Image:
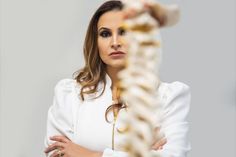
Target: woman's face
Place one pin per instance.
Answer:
(112, 49)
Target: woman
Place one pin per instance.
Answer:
(79, 119)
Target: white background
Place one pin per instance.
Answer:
(41, 43)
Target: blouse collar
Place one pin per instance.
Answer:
(101, 83)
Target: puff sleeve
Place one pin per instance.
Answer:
(175, 120)
(61, 114)
(176, 105)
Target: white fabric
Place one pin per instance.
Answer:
(84, 122)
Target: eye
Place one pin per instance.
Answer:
(122, 31)
(105, 34)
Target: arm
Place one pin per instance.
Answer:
(60, 119)
(61, 123)
(175, 123)
(176, 102)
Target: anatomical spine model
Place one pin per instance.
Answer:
(139, 80)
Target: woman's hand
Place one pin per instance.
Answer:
(159, 141)
(64, 147)
(166, 15)
(159, 145)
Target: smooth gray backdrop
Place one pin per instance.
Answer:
(41, 43)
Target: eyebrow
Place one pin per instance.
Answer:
(103, 28)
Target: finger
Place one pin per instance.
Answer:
(60, 138)
(54, 146)
(63, 153)
(55, 154)
(129, 13)
(147, 5)
(160, 144)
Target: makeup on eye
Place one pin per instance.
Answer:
(122, 31)
(105, 32)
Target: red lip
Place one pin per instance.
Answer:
(116, 53)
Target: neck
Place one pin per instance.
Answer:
(112, 72)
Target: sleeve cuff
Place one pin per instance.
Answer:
(112, 153)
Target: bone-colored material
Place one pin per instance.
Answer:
(138, 81)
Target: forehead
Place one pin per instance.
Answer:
(111, 19)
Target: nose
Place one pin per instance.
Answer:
(116, 43)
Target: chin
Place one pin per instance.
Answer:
(120, 65)
(117, 64)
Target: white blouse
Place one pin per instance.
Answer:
(83, 122)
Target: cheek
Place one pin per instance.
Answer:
(103, 47)
(125, 44)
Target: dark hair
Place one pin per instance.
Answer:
(94, 70)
